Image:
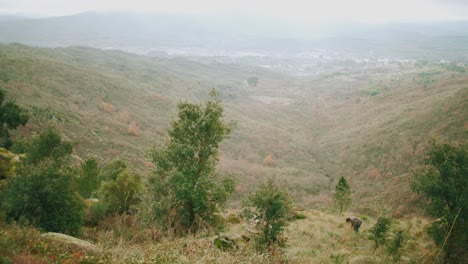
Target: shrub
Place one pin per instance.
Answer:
(395, 245)
(11, 117)
(122, 193)
(110, 171)
(43, 196)
(443, 181)
(87, 180)
(133, 129)
(42, 192)
(380, 230)
(272, 207)
(106, 107)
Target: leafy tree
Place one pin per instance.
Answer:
(42, 192)
(188, 193)
(88, 180)
(342, 196)
(122, 193)
(272, 208)
(48, 145)
(11, 117)
(112, 170)
(443, 180)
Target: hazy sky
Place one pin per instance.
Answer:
(372, 11)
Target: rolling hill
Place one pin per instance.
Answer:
(370, 123)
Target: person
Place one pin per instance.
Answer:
(355, 222)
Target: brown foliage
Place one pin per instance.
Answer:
(133, 129)
(106, 107)
(112, 152)
(124, 116)
(28, 259)
(270, 160)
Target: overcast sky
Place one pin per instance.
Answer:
(370, 11)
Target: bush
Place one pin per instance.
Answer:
(122, 193)
(43, 196)
(42, 192)
(11, 117)
(380, 230)
(88, 181)
(272, 208)
(443, 181)
(395, 245)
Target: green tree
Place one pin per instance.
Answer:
(188, 193)
(110, 171)
(11, 117)
(443, 180)
(272, 207)
(342, 196)
(87, 180)
(41, 192)
(122, 193)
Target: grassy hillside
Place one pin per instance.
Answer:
(369, 123)
(319, 238)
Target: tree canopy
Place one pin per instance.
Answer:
(187, 189)
(41, 193)
(443, 180)
(11, 117)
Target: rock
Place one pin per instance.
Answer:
(225, 243)
(72, 241)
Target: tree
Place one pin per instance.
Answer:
(122, 193)
(188, 193)
(87, 180)
(41, 192)
(342, 195)
(272, 208)
(11, 117)
(443, 181)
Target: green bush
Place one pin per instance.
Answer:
(122, 193)
(87, 180)
(43, 195)
(42, 192)
(110, 171)
(272, 207)
(11, 117)
(443, 181)
(394, 246)
(379, 231)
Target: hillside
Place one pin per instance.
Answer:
(320, 237)
(369, 123)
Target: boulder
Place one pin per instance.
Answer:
(72, 241)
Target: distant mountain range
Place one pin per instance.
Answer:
(221, 35)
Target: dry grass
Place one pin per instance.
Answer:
(319, 238)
